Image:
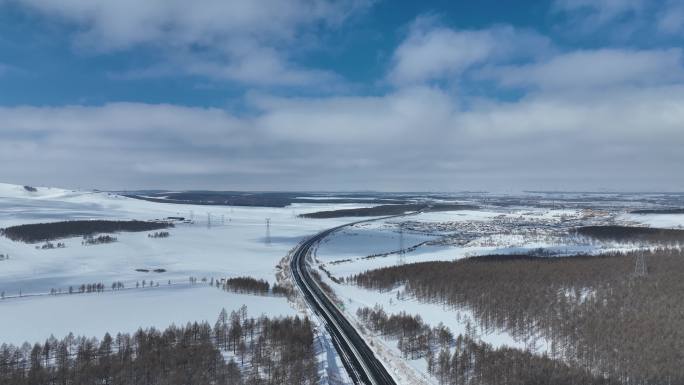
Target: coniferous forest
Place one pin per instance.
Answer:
(594, 312)
(465, 360)
(41, 232)
(237, 350)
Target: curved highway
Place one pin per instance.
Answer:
(357, 357)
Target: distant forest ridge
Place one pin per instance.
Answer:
(387, 210)
(41, 232)
(631, 234)
(259, 199)
(660, 211)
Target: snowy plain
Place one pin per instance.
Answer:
(231, 242)
(347, 252)
(667, 221)
(226, 241)
(94, 314)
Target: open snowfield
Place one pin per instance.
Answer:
(228, 241)
(235, 243)
(346, 252)
(667, 221)
(94, 314)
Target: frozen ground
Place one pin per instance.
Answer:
(670, 221)
(234, 243)
(446, 236)
(231, 241)
(94, 314)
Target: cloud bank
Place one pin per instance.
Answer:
(499, 107)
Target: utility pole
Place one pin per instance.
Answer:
(268, 231)
(208, 220)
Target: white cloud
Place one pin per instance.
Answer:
(620, 20)
(390, 118)
(636, 116)
(610, 116)
(613, 20)
(238, 40)
(595, 69)
(433, 52)
(413, 138)
(259, 66)
(111, 25)
(601, 11)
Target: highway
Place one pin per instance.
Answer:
(357, 357)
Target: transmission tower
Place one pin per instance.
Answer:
(268, 231)
(640, 269)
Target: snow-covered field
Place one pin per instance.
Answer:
(235, 243)
(667, 221)
(94, 314)
(503, 231)
(228, 241)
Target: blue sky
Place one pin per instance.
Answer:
(53, 70)
(350, 94)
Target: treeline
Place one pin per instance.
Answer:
(99, 240)
(592, 311)
(659, 211)
(386, 210)
(477, 363)
(159, 234)
(632, 234)
(97, 287)
(246, 285)
(259, 199)
(49, 246)
(41, 232)
(260, 351)
(250, 285)
(464, 360)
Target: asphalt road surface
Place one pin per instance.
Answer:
(361, 364)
